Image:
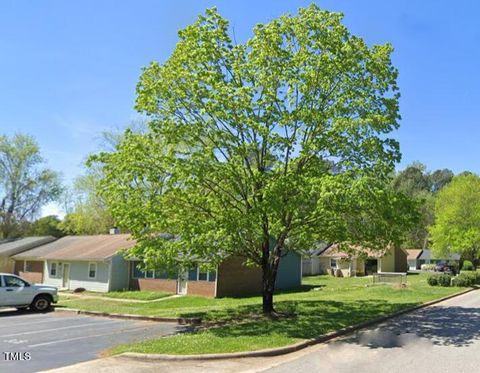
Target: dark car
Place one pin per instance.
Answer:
(446, 268)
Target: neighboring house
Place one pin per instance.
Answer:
(393, 259)
(231, 278)
(11, 247)
(90, 262)
(312, 263)
(417, 257)
(413, 259)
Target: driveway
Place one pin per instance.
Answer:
(441, 338)
(56, 339)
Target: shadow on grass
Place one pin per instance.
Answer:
(440, 326)
(311, 318)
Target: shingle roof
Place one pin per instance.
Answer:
(335, 251)
(98, 247)
(413, 254)
(19, 245)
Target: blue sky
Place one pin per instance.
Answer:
(68, 69)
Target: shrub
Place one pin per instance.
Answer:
(427, 267)
(466, 279)
(444, 280)
(432, 280)
(467, 265)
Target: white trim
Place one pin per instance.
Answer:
(88, 270)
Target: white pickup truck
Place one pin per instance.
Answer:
(18, 293)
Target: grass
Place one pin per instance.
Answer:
(323, 304)
(137, 295)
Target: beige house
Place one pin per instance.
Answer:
(16, 246)
(393, 259)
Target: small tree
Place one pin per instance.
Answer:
(457, 219)
(256, 149)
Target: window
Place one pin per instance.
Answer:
(150, 274)
(333, 263)
(212, 276)
(53, 269)
(92, 270)
(13, 282)
(202, 276)
(192, 274)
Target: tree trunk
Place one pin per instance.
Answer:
(270, 261)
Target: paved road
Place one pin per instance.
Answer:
(441, 338)
(58, 339)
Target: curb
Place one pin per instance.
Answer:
(178, 320)
(291, 348)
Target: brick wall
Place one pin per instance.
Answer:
(202, 288)
(168, 286)
(234, 279)
(34, 273)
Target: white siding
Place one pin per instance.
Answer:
(49, 280)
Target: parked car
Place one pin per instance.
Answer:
(446, 268)
(18, 293)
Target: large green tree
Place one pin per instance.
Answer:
(25, 185)
(421, 186)
(457, 219)
(259, 148)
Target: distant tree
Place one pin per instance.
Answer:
(87, 211)
(422, 186)
(238, 159)
(46, 226)
(457, 219)
(25, 186)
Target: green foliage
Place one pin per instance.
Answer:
(467, 265)
(283, 137)
(428, 267)
(25, 186)
(466, 279)
(89, 213)
(439, 280)
(421, 185)
(433, 280)
(46, 226)
(457, 219)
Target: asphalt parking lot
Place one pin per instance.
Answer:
(50, 340)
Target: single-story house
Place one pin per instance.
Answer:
(231, 278)
(312, 262)
(417, 257)
(90, 262)
(10, 247)
(413, 259)
(96, 263)
(392, 259)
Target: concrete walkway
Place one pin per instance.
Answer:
(441, 338)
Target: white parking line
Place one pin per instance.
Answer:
(36, 322)
(85, 336)
(63, 328)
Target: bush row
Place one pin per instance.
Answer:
(464, 279)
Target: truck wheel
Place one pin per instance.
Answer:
(41, 303)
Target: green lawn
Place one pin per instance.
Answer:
(323, 304)
(137, 295)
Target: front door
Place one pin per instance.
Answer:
(66, 276)
(182, 283)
